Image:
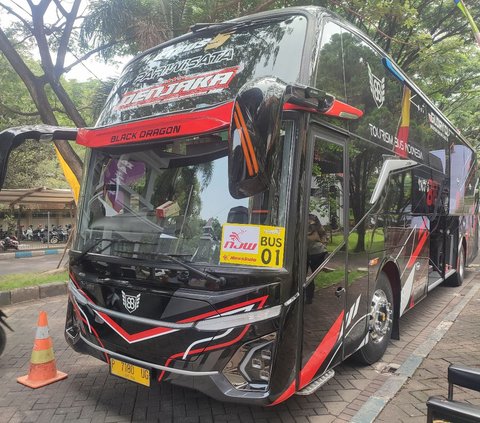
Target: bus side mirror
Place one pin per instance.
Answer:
(390, 165)
(12, 138)
(255, 127)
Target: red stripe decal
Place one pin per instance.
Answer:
(223, 345)
(149, 333)
(210, 348)
(316, 360)
(322, 351)
(170, 126)
(421, 242)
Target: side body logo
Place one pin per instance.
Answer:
(377, 87)
(130, 302)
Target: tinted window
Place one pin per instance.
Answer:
(330, 76)
(206, 69)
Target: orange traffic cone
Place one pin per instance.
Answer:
(43, 369)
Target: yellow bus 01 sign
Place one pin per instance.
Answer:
(253, 245)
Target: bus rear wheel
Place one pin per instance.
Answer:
(380, 322)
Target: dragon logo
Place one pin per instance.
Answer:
(130, 302)
(377, 87)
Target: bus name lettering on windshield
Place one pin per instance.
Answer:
(146, 134)
(253, 245)
(184, 65)
(178, 88)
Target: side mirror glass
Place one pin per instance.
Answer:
(256, 122)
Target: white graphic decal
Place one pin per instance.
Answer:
(377, 87)
(352, 312)
(407, 291)
(382, 135)
(439, 126)
(130, 302)
(221, 335)
(208, 59)
(177, 88)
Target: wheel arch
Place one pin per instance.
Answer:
(391, 270)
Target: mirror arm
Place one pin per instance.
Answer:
(313, 100)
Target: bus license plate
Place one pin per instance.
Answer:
(130, 372)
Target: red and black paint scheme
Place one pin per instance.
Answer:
(190, 256)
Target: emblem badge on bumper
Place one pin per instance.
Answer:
(130, 302)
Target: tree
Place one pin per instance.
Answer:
(432, 42)
(35, 164)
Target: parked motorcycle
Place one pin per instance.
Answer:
(9, 242)
(56, 235)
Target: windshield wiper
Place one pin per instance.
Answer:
(206, 275)
(232, 26)
(97, 241)
(172, 257)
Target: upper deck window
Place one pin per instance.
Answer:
(206, 69)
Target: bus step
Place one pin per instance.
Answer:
(317, 383)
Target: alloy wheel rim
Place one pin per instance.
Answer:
(380, 316)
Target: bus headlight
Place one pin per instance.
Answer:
(249, 368)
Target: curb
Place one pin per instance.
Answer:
(377, 402)
(31, 293)
(32, 253)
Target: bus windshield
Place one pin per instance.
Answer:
(172, 198)
(206, 68)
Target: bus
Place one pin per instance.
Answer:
(217, 155)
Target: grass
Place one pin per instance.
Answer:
(324, 279)
(21, 280)
(377, 244)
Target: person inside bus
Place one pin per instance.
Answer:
(316, 251)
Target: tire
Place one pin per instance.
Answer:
(3, 339)
(53, 240)
(380, 322)
(457, 278)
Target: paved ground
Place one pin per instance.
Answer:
(30, 264)
(460, 345)
(90, 394)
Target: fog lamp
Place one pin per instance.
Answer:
(250, 367)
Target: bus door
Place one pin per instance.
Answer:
(324, 291)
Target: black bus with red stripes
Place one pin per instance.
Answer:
(193, 261)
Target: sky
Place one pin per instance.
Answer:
(90, 68)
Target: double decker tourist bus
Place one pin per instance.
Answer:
(216, 157)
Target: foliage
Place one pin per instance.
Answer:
(35, 164)
(429, 39)
(10, 223)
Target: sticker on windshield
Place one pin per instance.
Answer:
(253, 245)
(179, 88)
(217, 41)
(185, 65)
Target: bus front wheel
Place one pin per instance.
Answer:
(380, 322)
(457, 278)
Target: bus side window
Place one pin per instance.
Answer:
(327, 191)
(330, 75)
